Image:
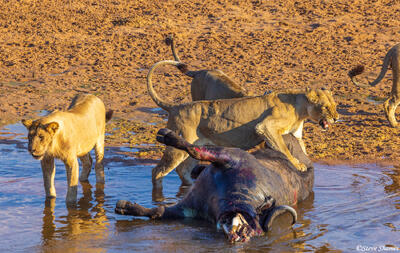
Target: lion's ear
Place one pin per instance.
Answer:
(27, 123)
(311, 95)
(52, 127)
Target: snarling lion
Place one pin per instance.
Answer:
(206, 84)
(240, 122)
(67, 135)
(390, 105)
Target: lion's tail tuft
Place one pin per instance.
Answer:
(109, 115)
(169, 40)
(357, 70)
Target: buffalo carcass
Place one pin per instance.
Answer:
(240, 192)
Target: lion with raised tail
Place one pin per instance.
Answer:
(207, 84)
(392, 58)
(240, 122)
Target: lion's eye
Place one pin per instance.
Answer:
(41, 137)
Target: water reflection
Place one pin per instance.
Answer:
(351, 205)
(49, 227)
(159, 198)
(87, 220)
(394, 186)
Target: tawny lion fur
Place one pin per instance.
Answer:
(240, 122)
(206, 84)
(392, 58)
(67, 135)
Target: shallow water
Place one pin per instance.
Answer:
(352, 207)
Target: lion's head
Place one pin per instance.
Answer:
(40, 136)
(322, 107)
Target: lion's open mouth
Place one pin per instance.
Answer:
(324, 124)
(37, 157)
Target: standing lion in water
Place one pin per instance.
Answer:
(390, 105)
(67, 135)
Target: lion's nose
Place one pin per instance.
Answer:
(33, 150)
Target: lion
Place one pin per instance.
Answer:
(390, 104)
(207, 84)
(240, 122)
(67, 135)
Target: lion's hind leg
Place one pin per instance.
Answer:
(86, 167)
(184, 170)
(98, 167)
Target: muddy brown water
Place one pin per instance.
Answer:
(352, 208)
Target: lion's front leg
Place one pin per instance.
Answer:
(298, 133)
(302, 145)
(269, 129)
(72, 169)
(390, 106)
(49, 171)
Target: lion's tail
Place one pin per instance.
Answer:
(360, 69)
(160, 102)
(170, 42)
(386, 62)
(182, 67)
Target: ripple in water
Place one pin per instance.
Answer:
(351, 206)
